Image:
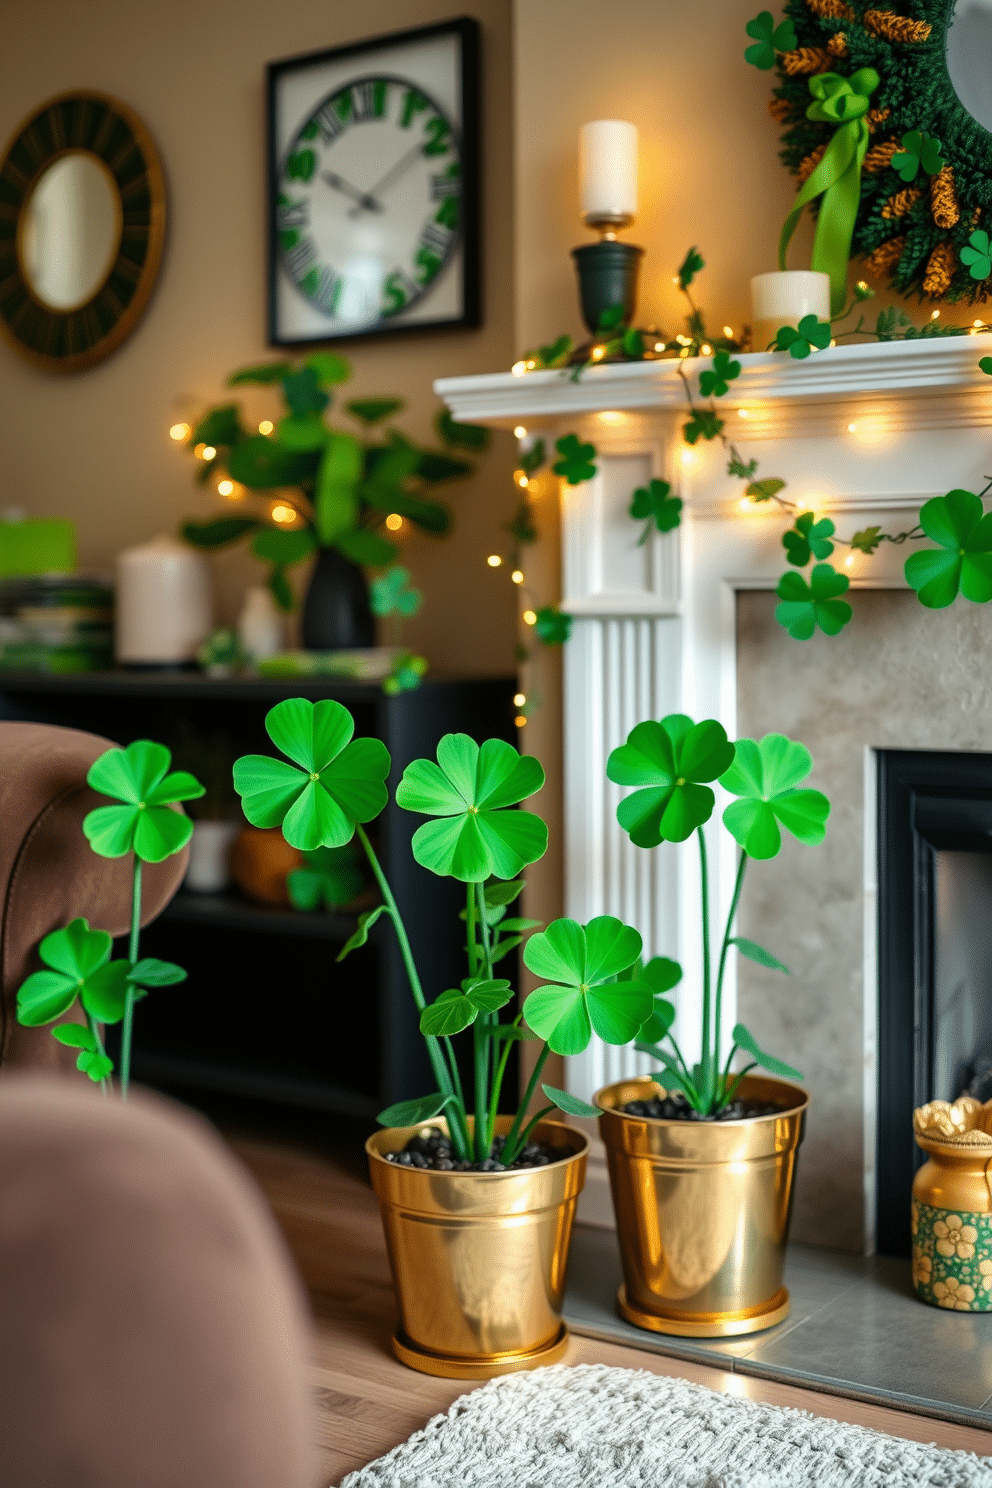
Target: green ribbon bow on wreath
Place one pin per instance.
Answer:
(842, 102)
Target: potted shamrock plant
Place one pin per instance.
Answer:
(477, 1206)
(144, 819)
(702, 1159)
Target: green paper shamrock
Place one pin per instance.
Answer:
(330, 878)
(985, 365)
(655, 503)
(690, 266)
(393, 594)
(962, 563)
(806, 606)
(471, 790)
(339, 783)
(576, 463)
(582, 964)
(611, 318)
(668, 760)
(978, 255)
(716, 381)
(91, 1061)
(704, 424)
(769, 39)
(632, 344)
(764, 490)
(743, 470)
(812, 334)
(808, 539)
(552, 626)
(79, 966)
(765, 775)
(867, 540)
(555, 354)
(661, 974)
(144, 821)
(917, 150)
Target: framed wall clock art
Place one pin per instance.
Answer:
(373, 196)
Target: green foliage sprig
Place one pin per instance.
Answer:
(324, 792)
(340, 483)
(671, 765)
(143, 820)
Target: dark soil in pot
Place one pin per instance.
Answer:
(677, 1108)
(435, 1152)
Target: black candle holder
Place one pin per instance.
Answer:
(608, 273)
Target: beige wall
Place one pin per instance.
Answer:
(95, 446)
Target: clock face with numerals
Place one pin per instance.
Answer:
(369, 196)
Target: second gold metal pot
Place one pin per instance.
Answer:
(479, 1259)
(703, 1210)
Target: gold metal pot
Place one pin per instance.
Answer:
(952, 1205)
(479, 1259)
(703, 1210)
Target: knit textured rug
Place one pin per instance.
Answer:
(595, 1427)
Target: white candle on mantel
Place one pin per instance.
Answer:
(608, 169)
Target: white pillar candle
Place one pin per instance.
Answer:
(608, 169)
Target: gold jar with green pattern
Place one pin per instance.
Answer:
(952, 1205)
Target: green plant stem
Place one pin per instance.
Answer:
(513, 1142)
(497, 1087)
(471, 941)
(486, 1020)
(525, 1134)
(459, 1128)
(706, 1056)
(724, 949)
(456, 1078)
(94, 1029)
(127, 1026)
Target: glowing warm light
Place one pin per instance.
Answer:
(597, 352)
(683, 340)
(530, 618)
(520, 476)
(675, 278)
(181, 431)
(974, 322)
(530, 364)
(283, 514)
(728, 331)
(706, 350)
(659, 346)
(518, 369)
(209, 453)
(744, 413)
(852, 428)
(225, 488)
(520, 432)
(833, 343)
(849, 560)
(684, 352)
(935, 315)
(745, 503)
(519, 721)
(688, 457)
(519, 699)
(862, 286)
(612, 417)
(198, 451)
(266, 426)
(517, 576)
(494, 560)
(394, 521)
(869, 430)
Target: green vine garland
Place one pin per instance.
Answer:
(911, 230)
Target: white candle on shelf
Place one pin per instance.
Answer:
(608, 169)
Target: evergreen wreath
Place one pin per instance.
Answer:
(917, 216)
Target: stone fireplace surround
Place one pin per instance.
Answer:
(685, 623)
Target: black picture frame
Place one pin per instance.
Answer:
(468, 268)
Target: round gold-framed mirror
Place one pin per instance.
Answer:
(82, 227)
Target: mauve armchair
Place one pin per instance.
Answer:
(49, 874)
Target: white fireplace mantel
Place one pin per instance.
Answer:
(866, 433)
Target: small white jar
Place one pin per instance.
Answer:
(783, 298)
(261, 627)
(164, 605)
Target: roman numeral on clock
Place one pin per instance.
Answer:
(328, 291)
(294, 214)
(300, 257)
(436, 238)
(329, 123)
(443, 187)
(368, 99)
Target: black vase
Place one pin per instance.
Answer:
(607, 277)
(336, 611)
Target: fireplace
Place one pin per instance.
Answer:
(934, 954)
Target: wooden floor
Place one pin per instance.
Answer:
(367, 1401)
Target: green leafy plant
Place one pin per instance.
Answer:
(552, 625)
(330, 878)
(715, 382)
(812, 334)
(961, 563)
(808, 539)
(575, 463)
(339, 484)
(475, 834)
(768, 39)
(142, 820)
(813, 606)
(655, 505)
(671, 764)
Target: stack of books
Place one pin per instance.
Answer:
(56, 623)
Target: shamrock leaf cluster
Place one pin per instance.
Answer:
(669, 762)
(962, 561)
(812, 334)
(919, 151)
(143, 821)
(582, 965)
(764, 490)
(977, 255)
(765, 776)
(704, 424)
(816, 605)
(768, 39)
(552, 625)
(715, 381)
(808, 539)
(690, 267)
(657, 507)
(393, 594)
(470, 791)
(575, 463)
